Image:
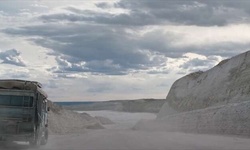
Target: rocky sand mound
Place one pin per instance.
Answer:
(103, 120)
(216, 101)
(228, 82)
(226, 119)
(62, 121)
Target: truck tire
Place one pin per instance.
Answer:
(35, 141)
(44, 136)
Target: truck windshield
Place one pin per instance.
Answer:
(13, 100)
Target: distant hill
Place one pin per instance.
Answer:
(68, 103)
(140, 105)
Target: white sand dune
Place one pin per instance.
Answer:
(62, 121)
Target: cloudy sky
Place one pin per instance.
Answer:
(117, 49)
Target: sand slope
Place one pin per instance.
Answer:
(216, 101)
(228, 82)
(62, 121)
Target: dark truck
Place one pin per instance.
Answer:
(23, 112)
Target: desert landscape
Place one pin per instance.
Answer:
(203, 111)
(124, 75)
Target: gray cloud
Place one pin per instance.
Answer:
(139, 19)
(19, 76)
(51, 84)
(159, 72)
(192, 12)
(100, 89)
(98, 42)
(15, 74)
(104, 5)
(103, 49)
(161, 42)
(66, 64)
(12, 57)
(147, 12)
(197, 64)
(110, 49)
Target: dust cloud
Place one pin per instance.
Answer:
(120, 136)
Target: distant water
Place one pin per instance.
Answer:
(123, 120)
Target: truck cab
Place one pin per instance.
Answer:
(23, 112)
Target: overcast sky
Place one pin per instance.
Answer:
(107, 50)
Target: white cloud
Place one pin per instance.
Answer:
(17, 73)
(194, 62)
(12, 57)
(39, 6)
(207, 36)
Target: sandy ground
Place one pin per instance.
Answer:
(115, 138)
(108, 139)
(139, 140)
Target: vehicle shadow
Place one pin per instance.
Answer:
(13, 146)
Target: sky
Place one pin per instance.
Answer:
(95, 50)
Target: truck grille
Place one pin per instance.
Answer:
(13, 127)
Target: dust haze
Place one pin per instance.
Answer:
(120, 136)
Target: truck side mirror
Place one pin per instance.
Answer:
(48, 109)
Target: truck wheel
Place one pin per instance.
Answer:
(35, 141)
(44, 137)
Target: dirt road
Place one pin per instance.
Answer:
(141, 140)
(118, 137)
